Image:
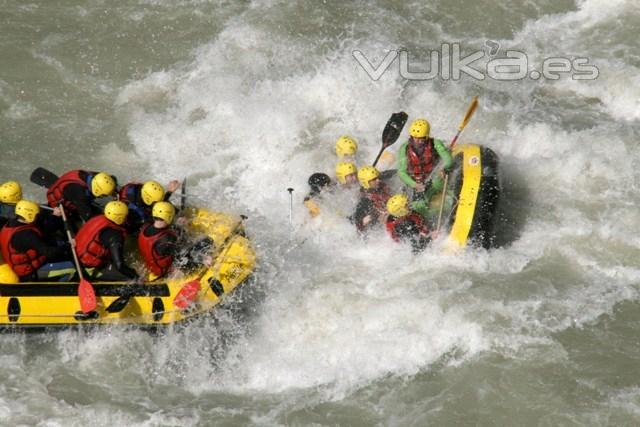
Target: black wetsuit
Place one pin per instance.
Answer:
(116, 269)
(26, 240)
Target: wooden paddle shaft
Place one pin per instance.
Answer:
(70, 238)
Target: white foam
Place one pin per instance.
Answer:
(257, 112)
(592, 32)
(341, 334)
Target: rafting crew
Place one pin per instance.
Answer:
(418, 158)
(78, 189)
(140, 198)
(23, 244)
(100, 243)
(30, 241)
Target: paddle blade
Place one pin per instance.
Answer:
(87, 296)
(43, 177)
(183, 194)
(118, 304)
(187, 294)
(470, 111)
(393, 128)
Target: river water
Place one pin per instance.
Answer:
(246, 99)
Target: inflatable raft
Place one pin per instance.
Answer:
(153, 304)
(474, 193)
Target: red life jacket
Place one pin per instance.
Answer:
(91, 252)
(378, 208)
(128, 192)
(378, 196)
(54, 194)
(23, 264)
(420, 166)
(159, 265)
(394, 222)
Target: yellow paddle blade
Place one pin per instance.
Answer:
(470, 111)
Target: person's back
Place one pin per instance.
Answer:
(77, 189)
(140, 197)
(157, 240)
(374, 193)
(406, 225)
(22, 243)
(100, 243)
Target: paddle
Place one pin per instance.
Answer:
(188, 293)
(86, 293)
(119, 303)
(290, 190)
(43, 177)
(391, 132)
(463, 124)
(183, 194)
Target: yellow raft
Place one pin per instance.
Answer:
(474, 187)
(151, 304)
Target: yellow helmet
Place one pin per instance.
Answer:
(116, 211)
(346, 146)
(398, 205)
(366, 174)
(163, 210)
(343, 169)
(27, 210)
(10, 192)
(152, 192)
(420, 128)
(7, 275)
(102, 184)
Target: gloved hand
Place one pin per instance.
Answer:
(129, 272)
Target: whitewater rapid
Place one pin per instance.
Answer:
(362, 331)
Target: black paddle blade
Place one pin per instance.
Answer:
(43, 177)
(118, 304)
(393, 128)
(183, 194)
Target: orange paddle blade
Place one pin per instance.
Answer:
(87, 296)
(470, 111)
(187, 294)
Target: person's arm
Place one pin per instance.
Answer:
(4, 214)
(171, 188)
(136, 218)
(112, 240)
(421, 207)
(436, 187)
(364, 209)
(402, 166)
(166, 246)
(312, 206)
(28, 239)
(77, 195)
(435, 182)
(445, 155)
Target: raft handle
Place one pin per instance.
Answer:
(13, 309)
